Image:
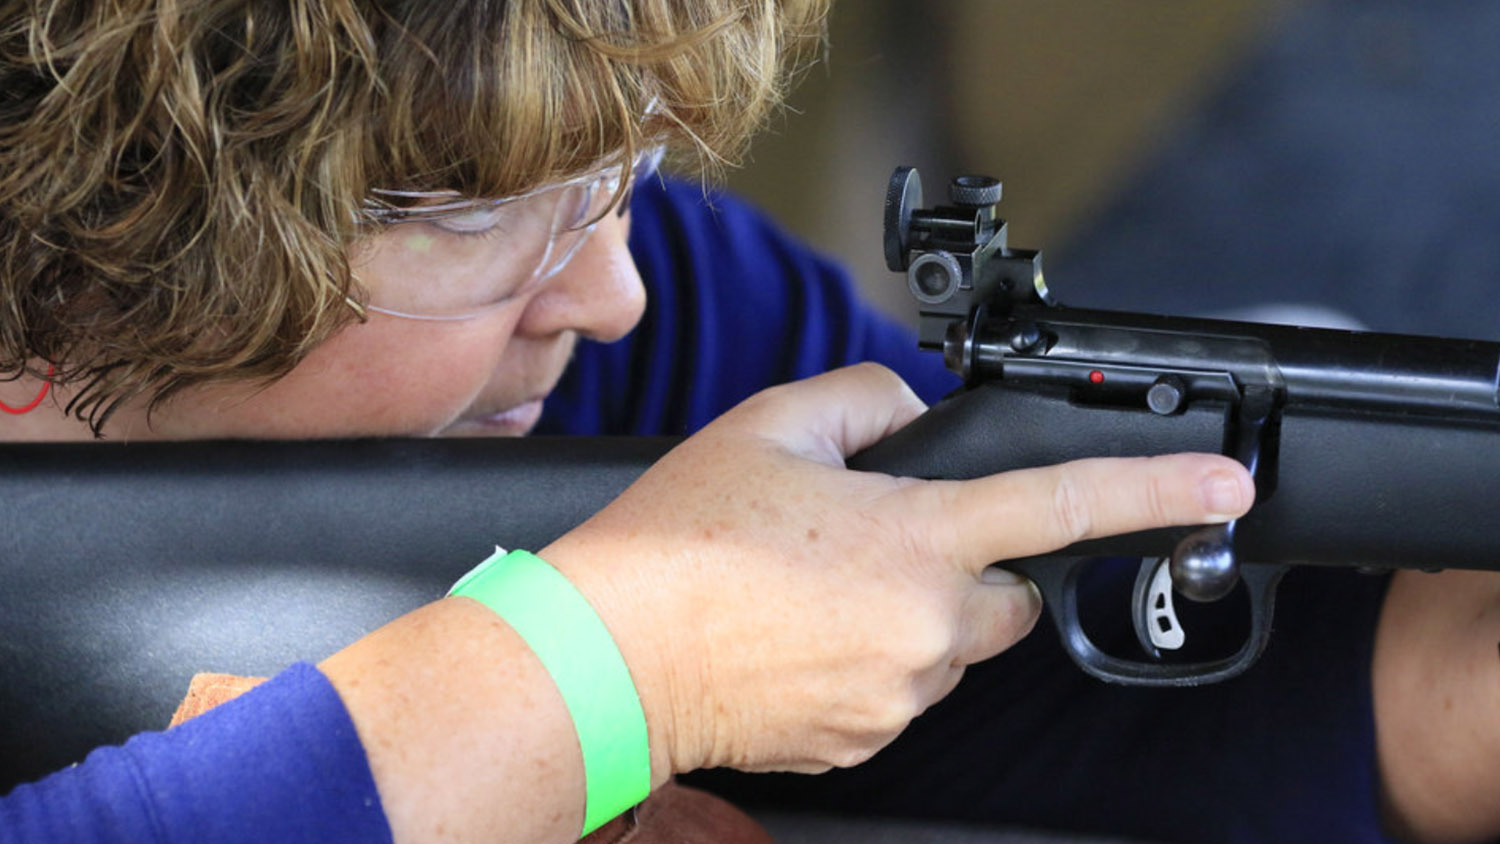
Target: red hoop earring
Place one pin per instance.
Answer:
(46, 385)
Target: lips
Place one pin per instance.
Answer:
(516, 421)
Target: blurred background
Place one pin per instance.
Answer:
(1171, 156)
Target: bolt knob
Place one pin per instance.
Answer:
(1203, 566)
(974, 191)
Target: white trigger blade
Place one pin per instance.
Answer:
(1156, 624)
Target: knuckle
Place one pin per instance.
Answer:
(927, 645)
(1071, 508)
(848, 757)
(889, 720)
(952, 533)
(1157, 500)
(876, 371)
(912, 543)
(882, 379)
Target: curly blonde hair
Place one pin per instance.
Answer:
(180, 180)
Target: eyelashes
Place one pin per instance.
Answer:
(481, 222)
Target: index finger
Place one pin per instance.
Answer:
(1033, 511)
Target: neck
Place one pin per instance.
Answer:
(46, 420)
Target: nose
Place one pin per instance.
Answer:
(598, 293)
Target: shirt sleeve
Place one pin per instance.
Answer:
(280, 763)
(734, 305)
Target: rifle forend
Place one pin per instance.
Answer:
(1368, 450)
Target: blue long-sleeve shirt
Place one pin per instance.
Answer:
(280, 763)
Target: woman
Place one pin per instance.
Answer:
(294, 219)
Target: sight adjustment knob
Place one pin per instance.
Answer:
(974, 191)
(934, 277)
(902, 196)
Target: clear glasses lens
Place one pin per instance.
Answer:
(454, 258)
(578, 216)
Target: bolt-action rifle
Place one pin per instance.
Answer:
(1368, 450)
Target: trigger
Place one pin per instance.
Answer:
(1156, 624)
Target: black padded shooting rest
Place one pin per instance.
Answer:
(125, 569)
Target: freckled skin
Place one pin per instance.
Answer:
(1437, 692)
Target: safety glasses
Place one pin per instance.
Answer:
(450, 257)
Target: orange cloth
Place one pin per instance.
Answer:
(205, 691)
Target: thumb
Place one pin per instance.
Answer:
(998, 612)
(831, 416)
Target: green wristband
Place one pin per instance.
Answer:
(565, 633)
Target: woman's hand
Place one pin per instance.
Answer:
(779, 611)
(776, 610)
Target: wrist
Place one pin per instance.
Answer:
(569, 638)
(651, 633)
(438, 698)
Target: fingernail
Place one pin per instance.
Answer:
(1223, 496)
(996, 576)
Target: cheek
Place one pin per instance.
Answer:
(387, 376)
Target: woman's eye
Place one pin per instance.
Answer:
(478, 221)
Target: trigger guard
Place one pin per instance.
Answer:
(1057, 578)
